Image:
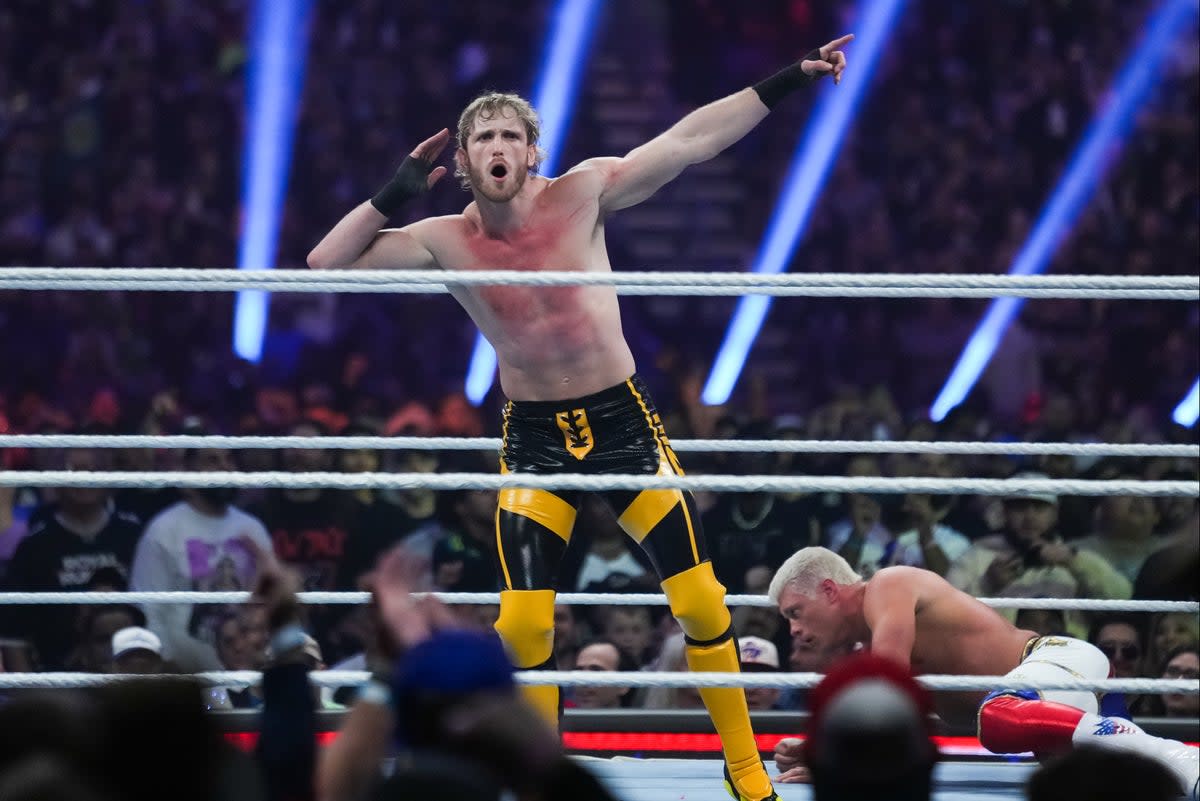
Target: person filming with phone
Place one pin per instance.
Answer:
(1029, 559)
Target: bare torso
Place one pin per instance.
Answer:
(956, 634)
(551, 343)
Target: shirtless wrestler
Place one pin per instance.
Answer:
(916, 618)
(576, 403)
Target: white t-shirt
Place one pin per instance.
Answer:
(876, 543)
(597, 569)
(183, 549)
(907, 550)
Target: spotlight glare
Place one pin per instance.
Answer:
(1140, 73)
(810, 165)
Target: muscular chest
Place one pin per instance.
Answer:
(554, 243)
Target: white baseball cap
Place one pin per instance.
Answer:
(135, 638)
(757, 651)
(1041, 497)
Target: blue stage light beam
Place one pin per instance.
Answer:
(554, 98)
(274, 80)
(1189, 408)
(810, 165)
(1139, 74)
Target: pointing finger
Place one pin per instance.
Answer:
(837, 43)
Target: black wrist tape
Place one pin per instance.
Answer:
(786, 81)
(408, 182)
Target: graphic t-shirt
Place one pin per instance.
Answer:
(183, 549)
(54, 558)
(311, 535)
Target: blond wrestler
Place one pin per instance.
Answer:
(917, 619)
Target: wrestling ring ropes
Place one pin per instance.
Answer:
(967, 773)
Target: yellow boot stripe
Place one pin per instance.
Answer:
(667, 463)
(541, 507)
(647, 510)
(543, 698)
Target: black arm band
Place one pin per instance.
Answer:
(786, 81)
(408, 182)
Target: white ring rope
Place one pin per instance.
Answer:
(570, 598)
(630, 283)
(592, 678)
(1094, 449)
(1008, 487)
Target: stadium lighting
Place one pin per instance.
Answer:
(274, 79)
(1139, 74)
(810, 165)
(1189, 408)
(554, 99)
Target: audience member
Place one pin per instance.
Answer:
(1030, 560)
(566, 636)
(203, 542)
(136, 650)
(929, 543)
(69, 542)
(465, 559)
(1168, 631)
(1125, 532)
(631, 628)
(397, 516)
(605, 656)
(1046, 622)
(97, 626)
(861, 537)
(1182, 662)
(757, 655)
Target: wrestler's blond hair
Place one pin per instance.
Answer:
(807, 568)
(488, 105)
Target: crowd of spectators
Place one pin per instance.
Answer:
(1041, 546)
(120, 143)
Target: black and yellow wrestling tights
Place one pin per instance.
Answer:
(532, 530)
(614, 431)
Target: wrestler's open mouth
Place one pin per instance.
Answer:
(499, 171)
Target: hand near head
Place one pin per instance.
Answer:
(428, 151)
(832, 60)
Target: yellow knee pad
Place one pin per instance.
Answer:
(697, 601)
(526, 625)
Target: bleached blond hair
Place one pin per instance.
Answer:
(487, 106)
(807, 568)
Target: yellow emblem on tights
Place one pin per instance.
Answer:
(577, 434)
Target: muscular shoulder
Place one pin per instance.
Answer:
(431, 230)
(592, 177)
(903, 581)
(897, 575)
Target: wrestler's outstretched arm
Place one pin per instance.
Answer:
(701, 135)
(358, 242)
